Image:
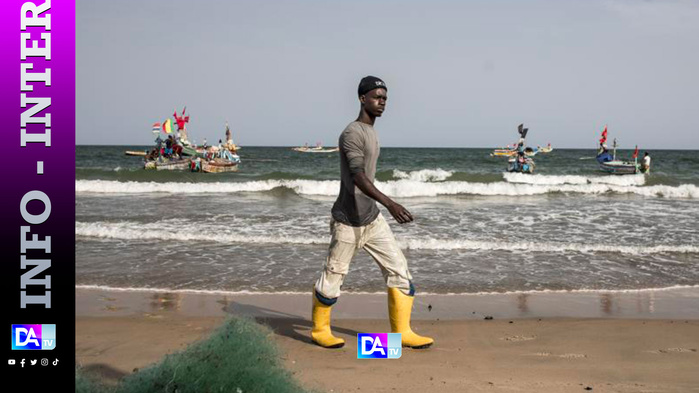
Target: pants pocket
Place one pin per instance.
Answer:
(340, 255)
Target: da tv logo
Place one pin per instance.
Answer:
(33, 337)
(378, 345)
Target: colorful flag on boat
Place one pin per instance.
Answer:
(167, 126)
(156, 127)
(603, 140)
(635, 153)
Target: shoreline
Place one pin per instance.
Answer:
(676, 303)
(549, 343)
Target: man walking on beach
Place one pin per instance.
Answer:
(357, 223)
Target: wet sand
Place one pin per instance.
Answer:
(620, 342)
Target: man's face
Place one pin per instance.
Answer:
(375, 102)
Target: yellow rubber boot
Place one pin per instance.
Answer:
(321, 334)
(400, 306)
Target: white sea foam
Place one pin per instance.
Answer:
(138, 231)
(437, 244)
(156, 231)
(398, 188)
(408, 188)
(424, 175)
(303, 187)
(628, 180)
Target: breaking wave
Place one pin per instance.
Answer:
(424, 175)
(628, 180)
(398, 188)
(137, 231)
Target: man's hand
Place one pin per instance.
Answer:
(401, 214)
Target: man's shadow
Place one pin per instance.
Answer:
(283, 324)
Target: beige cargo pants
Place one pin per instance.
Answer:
(378, 240)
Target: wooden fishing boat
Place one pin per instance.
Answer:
(317, 149)
(527, 167)
(189, 151)
(218, 165)
(609, 163)
(503, 153)
(529, 152)
(167, 165)
(619, 167)
(135, 153)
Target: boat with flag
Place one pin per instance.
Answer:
(172, 150)
(521, 161)
(511, 151)
(608, 161)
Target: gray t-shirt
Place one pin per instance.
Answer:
(359, 151)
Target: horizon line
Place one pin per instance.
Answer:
(423, 147)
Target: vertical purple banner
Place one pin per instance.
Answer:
(37, 229)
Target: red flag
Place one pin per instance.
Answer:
(604, 136)
(181, 120)
(635, 153)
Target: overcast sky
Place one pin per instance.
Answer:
(459, 73)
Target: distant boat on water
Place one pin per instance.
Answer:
(317, 149)
(545, 149)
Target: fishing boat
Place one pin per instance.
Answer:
(317, 149)
(503, 153)
(529, 152)
(521, 160)
(214, 165)
(526, 167)
(218, 165)
(545, 149)
(215, 161)
(135, 153)
(188, 150)
(619, 167)
(608, 162)
(167, 164)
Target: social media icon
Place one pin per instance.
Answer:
(11, 362)
(33, 362)
(55, 362)
(379, 346)
(44, 362)
(22, 363)
(34, 337)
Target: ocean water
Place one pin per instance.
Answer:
(569, 227)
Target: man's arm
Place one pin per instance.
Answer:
(401, 214)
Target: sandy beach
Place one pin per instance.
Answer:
(646, 341)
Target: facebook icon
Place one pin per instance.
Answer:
(378, 345)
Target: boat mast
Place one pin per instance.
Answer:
(614, 156)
